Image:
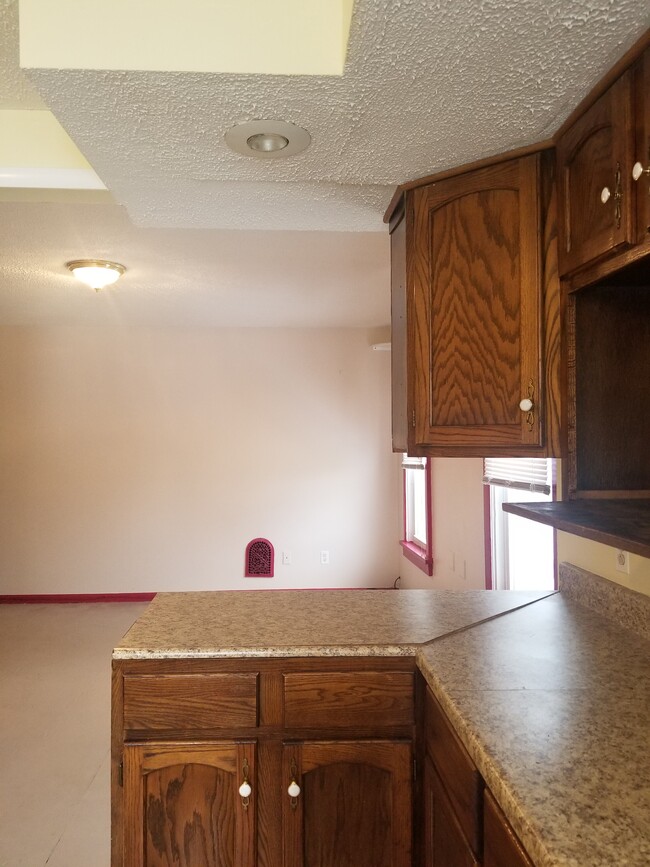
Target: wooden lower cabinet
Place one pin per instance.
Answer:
(184, 805)
(324, 750)
(325, 746)
(502, 847)
(444, 842)
(463, 824)
(354, 806)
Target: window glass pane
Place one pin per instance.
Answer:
(522, 550)
(419, 507)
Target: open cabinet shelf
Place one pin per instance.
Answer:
(620, 523)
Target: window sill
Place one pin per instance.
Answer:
(418, 556)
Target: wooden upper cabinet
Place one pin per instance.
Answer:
(399, 373)
(595, 158)
(475, 308)
(641, 166)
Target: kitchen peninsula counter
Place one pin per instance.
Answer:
(550, 698)
(254, 623)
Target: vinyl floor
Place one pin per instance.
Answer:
(55, 731)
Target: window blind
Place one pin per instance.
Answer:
(409, 463)
(527, 474)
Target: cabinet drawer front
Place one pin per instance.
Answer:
(458, 773)
(189, 702)
(348, 699)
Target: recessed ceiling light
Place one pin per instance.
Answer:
(96, 273)
(267, 139)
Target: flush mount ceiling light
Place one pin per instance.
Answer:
(96, 273)
(267, 139)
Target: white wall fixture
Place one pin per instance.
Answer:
(96, 273)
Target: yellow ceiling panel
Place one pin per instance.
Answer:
(292, 37)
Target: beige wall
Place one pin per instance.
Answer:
(458, 547)
(601, 559)
(145, 460)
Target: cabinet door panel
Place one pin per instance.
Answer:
(592, 155)
(462, 782)
(354, 808)
(502, 848)
(185, 805)
(476, 275)
(445, 844)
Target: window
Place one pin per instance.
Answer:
(520, 553)
(417, 539)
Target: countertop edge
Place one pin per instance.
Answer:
(392, 650)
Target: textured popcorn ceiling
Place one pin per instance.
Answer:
(427, 85)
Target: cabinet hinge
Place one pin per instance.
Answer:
(120, 774)
(415, 769)
(413, 418)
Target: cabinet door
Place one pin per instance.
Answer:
(445, 844)
(502, 848)
(594, 177)
(183, 808)
(641, 168)
(354, 804)
(474, 266)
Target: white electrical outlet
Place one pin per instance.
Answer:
(622, 561)
(324, 558)
(286, 558)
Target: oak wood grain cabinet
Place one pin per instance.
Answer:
(453, 794)
(475, 313)
(263, 763)
(502, 847)
(351, 806)
(183, 806)
(444, 842)
(464, 826)
(603, 179)
(594, 173)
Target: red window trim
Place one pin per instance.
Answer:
(414, 553)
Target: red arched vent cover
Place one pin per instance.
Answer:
(259, 559)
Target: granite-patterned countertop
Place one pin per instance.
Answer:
(551, 700)
(553, 705)
(307, 622)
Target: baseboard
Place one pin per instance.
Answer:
(75, 597)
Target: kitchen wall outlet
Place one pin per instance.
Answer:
(622, 561)
(324, 558)
(286, 558)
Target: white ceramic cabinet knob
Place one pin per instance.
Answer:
(245, 790)
(605, 195)
(526, 404)
(294, 789)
